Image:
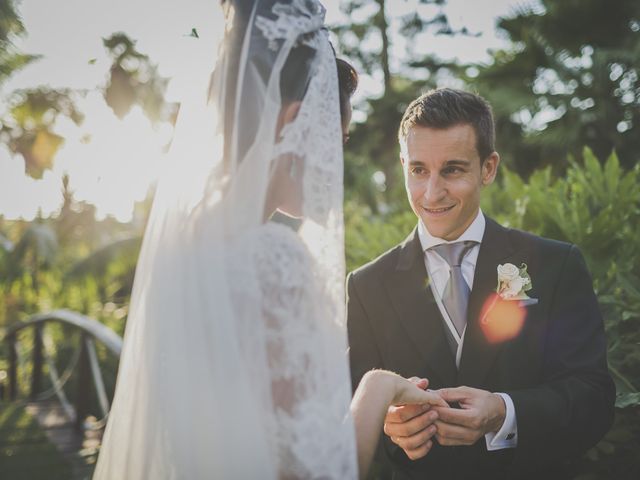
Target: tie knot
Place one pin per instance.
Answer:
(453, 253)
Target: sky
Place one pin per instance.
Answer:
(122, 159)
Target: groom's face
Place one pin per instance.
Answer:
(444, 177)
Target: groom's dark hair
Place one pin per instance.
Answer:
(447, 107)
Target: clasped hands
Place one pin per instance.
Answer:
(413, 427)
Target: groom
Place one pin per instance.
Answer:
(504, 324)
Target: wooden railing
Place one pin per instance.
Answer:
(85, 360)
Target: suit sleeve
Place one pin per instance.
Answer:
(573, 406)
(363, 351)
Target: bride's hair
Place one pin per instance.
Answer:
(347, 84)
(294, 78)
(297, 67)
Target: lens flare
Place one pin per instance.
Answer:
(501, 320)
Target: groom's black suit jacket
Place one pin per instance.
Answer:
(555, 370)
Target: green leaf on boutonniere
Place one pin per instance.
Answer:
(525, 275)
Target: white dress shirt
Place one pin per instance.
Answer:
(439, 272)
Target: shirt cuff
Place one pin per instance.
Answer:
(507, 436)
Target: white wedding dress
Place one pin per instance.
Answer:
(312, 431)
(234, 363)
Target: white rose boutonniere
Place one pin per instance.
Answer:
(503, 314)
(513, 282)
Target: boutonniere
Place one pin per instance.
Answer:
(503, 314)
(513, 282)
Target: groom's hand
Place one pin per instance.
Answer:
(480, 412)
(411, 427)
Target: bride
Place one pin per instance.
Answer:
(235, 357)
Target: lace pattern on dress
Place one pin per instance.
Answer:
(309, 383)
(294, 19)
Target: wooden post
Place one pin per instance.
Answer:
(36, 377)
(82, 398)
(13, 367)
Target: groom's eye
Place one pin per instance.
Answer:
(418, 171)
(452, 170)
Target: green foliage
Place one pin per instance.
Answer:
(25, 451)
(36, 249)
(368, 236)
(377, 24)
(27, 128)
(616, 456)
(70, 260)
(134, 80)
(569, 78)
(11, 27)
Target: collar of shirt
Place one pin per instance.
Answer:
(437, 267)
(474, 232)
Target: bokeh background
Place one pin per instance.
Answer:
(89, 93)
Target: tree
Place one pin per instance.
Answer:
(134, 80)
(11, 27)
(27, 126)
(28, 129)
(569, 79)
(379, 27)
(26, 267)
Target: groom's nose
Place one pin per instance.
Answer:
(434, 189)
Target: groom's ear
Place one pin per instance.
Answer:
(490, 168)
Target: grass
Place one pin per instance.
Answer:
(25, 451)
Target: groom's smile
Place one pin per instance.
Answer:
(444, 176)
(436, 212)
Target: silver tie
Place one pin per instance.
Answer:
(456, 292)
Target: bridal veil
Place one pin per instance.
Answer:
(197, 394)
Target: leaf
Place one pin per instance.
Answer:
(36, 147)
(620, 435)
(592, 454)
(134, 79)
(625, 400)
(97, 263)
(627, 284)
(606, 447)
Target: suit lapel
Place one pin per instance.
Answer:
(478, 354)
(418, 312)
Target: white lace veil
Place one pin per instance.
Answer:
(193, 397)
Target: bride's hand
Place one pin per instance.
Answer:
(377, 390)
(413, 392)
(400, 391)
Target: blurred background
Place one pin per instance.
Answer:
(89, 93)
